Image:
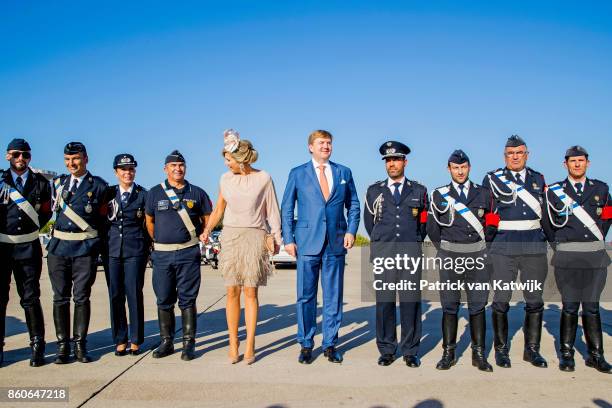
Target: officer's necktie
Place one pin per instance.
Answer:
(19, 184)
(519, 180)
(124, 197)
(396, 193)
(462, 197)
(578, 188)
(323, 182)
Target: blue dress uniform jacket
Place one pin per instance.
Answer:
(594, 199)
(13, 221)
(127, 235)
(510, 241)
(90, 194)
(393, 222)
(480, 202)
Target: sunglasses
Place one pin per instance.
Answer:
(25, 155)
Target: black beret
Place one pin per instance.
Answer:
(18, 144)
(576, 151)
(75, 148)
(515, 141)
(175, 157)
(394, 149)
(458, 157)
(124, 159)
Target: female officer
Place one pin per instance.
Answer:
(128, 250)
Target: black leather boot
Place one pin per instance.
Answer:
(532, 327)
(82, 314)
(61, 320)
(591, 324)
(189, 317)
(166, 332)
(567, 337)
(36, 329)
(500, 339)
(449, 341)
(478, 330)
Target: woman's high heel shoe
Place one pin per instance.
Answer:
(233, 359)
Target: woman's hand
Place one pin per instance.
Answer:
(276, 249)
(204, 236)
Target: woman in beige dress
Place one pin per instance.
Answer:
(248, 206)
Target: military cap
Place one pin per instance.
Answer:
(75, 148)
(458, 157)
(576, 151)
(394, 149)
(175, 157)
(123, 160)
(515, 141)
(18, 144)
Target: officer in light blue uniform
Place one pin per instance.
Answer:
(176, 212)
(80, 207)
(457, 226)
(128, 250)
(519, 244)
(395, 218)
(580, 211)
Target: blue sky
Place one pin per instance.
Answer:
(150, 77)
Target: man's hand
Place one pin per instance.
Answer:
(291, 250)
(204, 236)
(349, 240)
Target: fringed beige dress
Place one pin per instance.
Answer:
(251, 212)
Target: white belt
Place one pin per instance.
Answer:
(591, 246)
(175, 247)
(462, 248)
(522, 225)
(19, 239)
(75, 236)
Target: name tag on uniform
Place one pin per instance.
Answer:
(163, 205)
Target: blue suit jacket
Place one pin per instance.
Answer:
(316, 218)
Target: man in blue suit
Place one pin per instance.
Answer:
(319, 238)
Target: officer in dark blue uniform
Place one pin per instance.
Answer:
(519, 244)
(457, 226)
(580, 211)
(128, 250)
(25, 207)
(79, 203)
(176, 212)
(395, 215)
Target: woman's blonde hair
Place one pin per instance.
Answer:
(244, 154)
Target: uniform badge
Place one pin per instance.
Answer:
(37, 207)
(480, 212)
(415, 212)
(65, 195)
(535, 186)
(389, 144)
(599, 211)
(190, 204)
(88, 208)
(139, 213)
(176, 205)
(89, 194)
(596, 198)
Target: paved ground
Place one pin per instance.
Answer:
(276, 379)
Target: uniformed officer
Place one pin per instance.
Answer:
(176, 213)
(128, 250)
(580, 211)
(25, 207)
(460, 219)
(395, 217)
(519, 244)
(74, 248)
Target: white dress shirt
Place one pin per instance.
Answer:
(129, 190)
(466, 187)
(80, 181)
(390, 183)
(573, 183)
(327, 171)
(523, 174)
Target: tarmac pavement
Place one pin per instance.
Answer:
(276, 379)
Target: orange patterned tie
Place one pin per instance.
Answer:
(323, 182)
